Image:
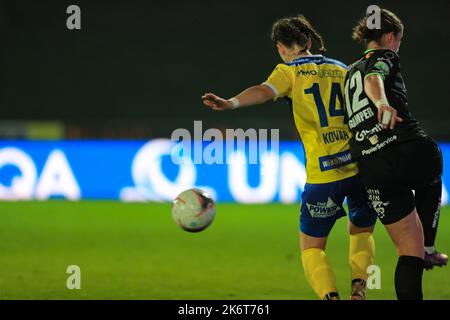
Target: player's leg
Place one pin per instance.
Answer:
(427, 166)
(361, 256)
(317, 269)
(319, 211)
(397, 212)
(407, 235)
(362, 220)
(428, 202)
(428, 198)
(386, 180)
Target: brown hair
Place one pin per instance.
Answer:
(389, 23)
(296, 30)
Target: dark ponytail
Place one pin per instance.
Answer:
(389, 22)
(296, 30)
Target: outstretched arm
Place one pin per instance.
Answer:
(374, 88)
(251, 96)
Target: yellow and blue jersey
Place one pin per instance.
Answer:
(314, 85)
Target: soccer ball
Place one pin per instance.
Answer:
(193, 210)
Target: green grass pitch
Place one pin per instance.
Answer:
(135, 251)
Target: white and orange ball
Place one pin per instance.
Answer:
(193, 210)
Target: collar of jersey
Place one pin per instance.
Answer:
(305, 58)
(309, 56)
(369, 50)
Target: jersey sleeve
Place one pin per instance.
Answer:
(383, 63)
(281, 81)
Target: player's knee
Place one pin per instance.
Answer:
(309, 242)
(411, 243)
(407, 235)
(353, 229)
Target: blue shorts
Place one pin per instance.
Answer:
(322, 206)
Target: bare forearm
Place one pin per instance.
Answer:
(255, 95)
(374, 88)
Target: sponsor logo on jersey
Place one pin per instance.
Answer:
(363, 134)
(334, 161)
(389, 55)
(382, 67)
(323, 209)
(307, 72)
(337, 135)
(322, 73)
(369, 54)
(379, 145)
(374, 139)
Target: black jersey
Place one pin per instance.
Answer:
(369, 136)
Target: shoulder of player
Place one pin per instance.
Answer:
(381, 54)
(373, 56)
(282, 72)
(336, 62)
(355, 64)
(284, 67)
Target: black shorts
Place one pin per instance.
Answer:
(391, 174)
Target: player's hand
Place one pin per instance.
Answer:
(387, 116)
(216, 102)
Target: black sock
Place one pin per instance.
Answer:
(408, 278)
(428, 202)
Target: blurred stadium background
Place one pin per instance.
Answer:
(86, 115)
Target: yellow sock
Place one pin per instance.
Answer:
(362, 253)
(318, 272)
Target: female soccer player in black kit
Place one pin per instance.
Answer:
(394, 155)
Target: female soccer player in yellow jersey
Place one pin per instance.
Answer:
(314, 85)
